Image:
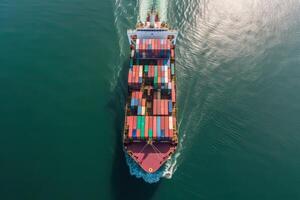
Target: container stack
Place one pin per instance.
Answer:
(162, 107)
(152, 48)
(135, 77)
(150, 127)
(138, 103)
(173, 92)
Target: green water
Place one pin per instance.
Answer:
(62, 90)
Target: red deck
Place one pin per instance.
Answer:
(150, 156)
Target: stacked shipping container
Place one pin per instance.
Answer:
(135, 76)
(138, 103)
(152, 48)
(158, 75)
(162, 107)
(153, 82)
(153, 127)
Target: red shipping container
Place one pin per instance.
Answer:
(173, 93)
(154, 107)
(134, 122)
(162, 107)
(146, 126)
(150, 123)
(135, 74)
(170, 133)
(158, 106)
(159, 71)
(166, 107)
(152, 70)
(154, 127)
(167, 126)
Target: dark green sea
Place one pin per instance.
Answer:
(63, 66)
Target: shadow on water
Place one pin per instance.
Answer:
(123, 185)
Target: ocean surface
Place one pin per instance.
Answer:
(63, 66)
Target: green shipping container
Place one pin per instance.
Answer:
(146, 68)
(172, 69)
(150, 133)
(155, 71)
(138, 124)
(155, 81)
(143, 127)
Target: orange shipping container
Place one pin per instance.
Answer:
(162, 107)
(167, 126)
(170, 133)
(173, 92)
(158, 107)
(150, 123)
(154, 107)
(134, 122)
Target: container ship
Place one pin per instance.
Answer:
(150, 130)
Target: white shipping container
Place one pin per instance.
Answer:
(171, 123)
(140, 70)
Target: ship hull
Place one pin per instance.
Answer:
(150, 157)
(150, 131)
